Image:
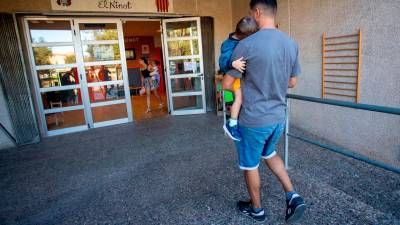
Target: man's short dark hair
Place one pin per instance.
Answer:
(268, 5)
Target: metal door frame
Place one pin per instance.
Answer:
(121, 61)
(170, 77)
(79, 64)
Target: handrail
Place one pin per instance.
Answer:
(375, 108)
(345, 152)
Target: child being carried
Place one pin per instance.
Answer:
(155, 74)
(244, 28)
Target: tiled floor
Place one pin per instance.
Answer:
(139, 107)
(179, 170)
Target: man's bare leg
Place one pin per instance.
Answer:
(252, 178)
(253, 208)
(275, 164)
(295, 205)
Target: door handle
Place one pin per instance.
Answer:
(201, 75)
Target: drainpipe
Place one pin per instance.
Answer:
(290, 19)
(197, 7)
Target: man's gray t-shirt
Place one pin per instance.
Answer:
(272, 59)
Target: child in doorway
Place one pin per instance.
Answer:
(155, 74)
(244, 28)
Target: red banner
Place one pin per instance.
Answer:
(162, 5)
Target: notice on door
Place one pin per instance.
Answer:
(189, 66)
(147, 6)
(103, 52)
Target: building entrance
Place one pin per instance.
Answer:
(80, 71)
(80, 74)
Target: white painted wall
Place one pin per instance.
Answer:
(373, 134)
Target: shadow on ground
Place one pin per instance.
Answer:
(179, 170)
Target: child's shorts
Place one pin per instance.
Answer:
(236, 84)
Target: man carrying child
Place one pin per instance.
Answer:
(271, 67)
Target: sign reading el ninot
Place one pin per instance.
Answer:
(146, 6)
(106, 4)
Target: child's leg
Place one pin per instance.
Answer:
(232, 128)
(237, 103)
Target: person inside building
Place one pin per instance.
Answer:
(147, 82)
(155, 74)
(68, 96)
(104, 75)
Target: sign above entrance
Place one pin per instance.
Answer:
(143, 6)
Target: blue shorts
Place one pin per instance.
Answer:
(257, 143)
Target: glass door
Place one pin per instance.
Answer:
(184, 64)
(102, 68)
(55, 75)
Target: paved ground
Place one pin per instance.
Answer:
(179, 170)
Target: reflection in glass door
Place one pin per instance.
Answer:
(55, 70)
(103, 68)
(79, 73)
(184, 61)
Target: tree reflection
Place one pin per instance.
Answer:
(42, 54)
(100, 35)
